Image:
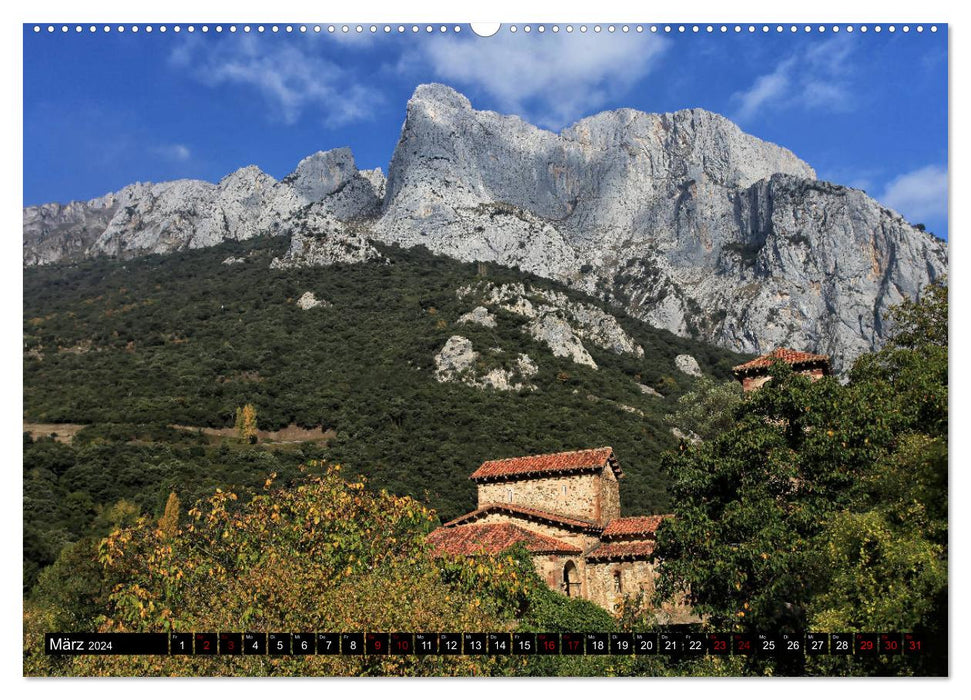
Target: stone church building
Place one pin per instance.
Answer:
(565, 509)
(755, 373)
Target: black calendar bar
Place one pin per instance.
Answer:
(665, 643)
(78, 643)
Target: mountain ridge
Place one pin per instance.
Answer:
(680, 218)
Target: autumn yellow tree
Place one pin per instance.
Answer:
(246, 423)
(322, 555)
(169, 522)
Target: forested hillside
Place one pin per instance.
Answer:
(132, 348)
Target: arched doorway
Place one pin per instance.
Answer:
(571, 580)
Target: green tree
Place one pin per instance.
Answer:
(707, 409)
(825, 506)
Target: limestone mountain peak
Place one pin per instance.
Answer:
(682, 219)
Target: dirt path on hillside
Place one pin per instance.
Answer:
(291, 433)
(65, 432)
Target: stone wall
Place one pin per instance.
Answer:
(550, 568)
(576, 495)
(601, 583)
(609, 496)
(753, 382)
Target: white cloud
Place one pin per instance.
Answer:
(766, 89)
(176, 151)
(551, 80)
(919, 195)
(818, 77)
(289, 76)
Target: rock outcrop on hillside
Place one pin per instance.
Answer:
(688, 365)
(681, 219)
(309, 300)
(457, 361)
(555, 320)
(479, 315)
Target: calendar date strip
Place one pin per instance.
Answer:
(681, 644)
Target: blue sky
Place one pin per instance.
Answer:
(103, 110)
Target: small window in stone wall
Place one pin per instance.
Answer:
(618, 583)
(509, 495)
(564, 489)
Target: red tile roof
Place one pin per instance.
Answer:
(792, 357)
(493, 538)
(622, 550)
(558, 463)
(641, 525)
(528, 513)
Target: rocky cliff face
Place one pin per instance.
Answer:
(682, 219)
(160, 218)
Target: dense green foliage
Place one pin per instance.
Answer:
(80, 491)
(133, 347)
(708, 409)
(824, 507)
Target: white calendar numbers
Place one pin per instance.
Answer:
(499, 643)
(426, 644)
(792, 644)
(352, 643)
(597, 643)
(767, 644)
(474, 643)
(817, 643)
(670, 643)
(695, 644)
(303, 644)
(450, 643)
(645, 643)
(841, 643)
(623, 643)
(278, 644)
(675, 643)
(180, 643)
(523, 643)
(328, 644)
